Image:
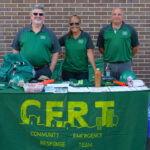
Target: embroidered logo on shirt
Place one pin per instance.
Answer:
(80, 41)
(42, 37)
(124, 33)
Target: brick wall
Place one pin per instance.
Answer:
(14, 14)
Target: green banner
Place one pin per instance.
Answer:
(73, 121)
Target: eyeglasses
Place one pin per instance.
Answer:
(74, 23)
(40, 14)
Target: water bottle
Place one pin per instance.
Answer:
(33, 73)
(130, 81)
(107, 71)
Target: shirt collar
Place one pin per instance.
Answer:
(81, 35)
(43, 29)
(122, 26)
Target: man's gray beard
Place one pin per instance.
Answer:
(37, 22)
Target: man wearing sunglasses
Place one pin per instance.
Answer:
(38, 44)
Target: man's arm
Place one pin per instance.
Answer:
(54, 61)
(101, 50)
(91, 58)
(134, 50)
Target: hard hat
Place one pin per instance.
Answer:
(127, 75)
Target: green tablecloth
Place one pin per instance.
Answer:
(73, 121)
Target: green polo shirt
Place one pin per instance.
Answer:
(36, 47)
(76, 59)
(117, 43)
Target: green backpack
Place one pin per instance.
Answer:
(15, 64)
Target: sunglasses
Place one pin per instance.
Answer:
(40, 14)
(75, 23)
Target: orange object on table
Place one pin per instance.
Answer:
(120, 83)
(47, 81)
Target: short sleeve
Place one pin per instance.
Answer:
(134, 38)
(15, 44)
(100, 40)
(55, 43)
(90, 44)
(62, 40)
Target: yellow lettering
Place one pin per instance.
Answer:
(84, 144)
(24, 106)
(53, 143)
(77, 114)
(44, 134)
(51, 114)
(87, 135)
(104, 105)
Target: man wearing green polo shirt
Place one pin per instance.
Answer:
(118, 43)
(38, 44)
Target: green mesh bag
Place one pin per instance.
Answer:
(15, 64)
